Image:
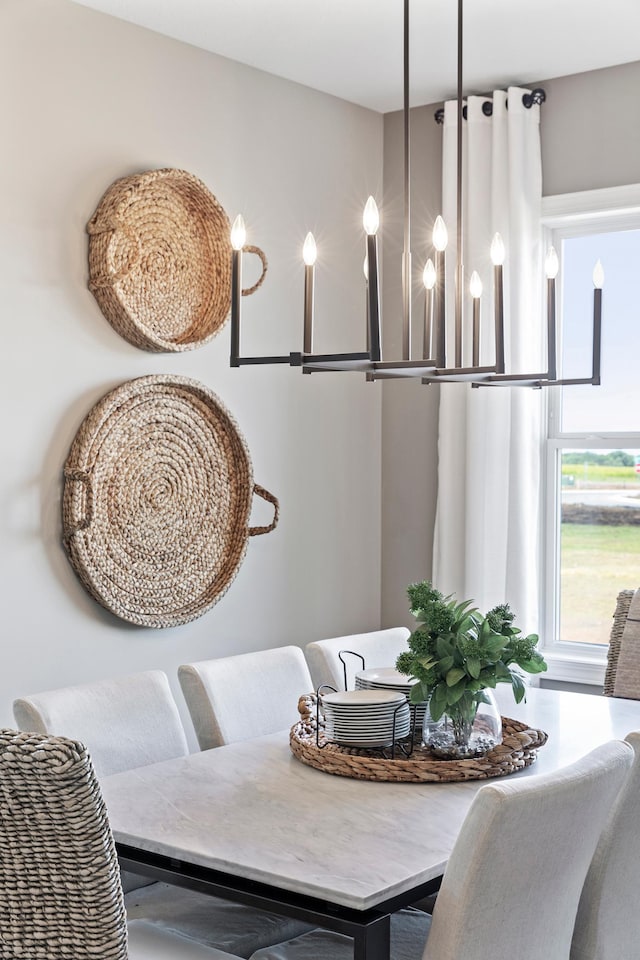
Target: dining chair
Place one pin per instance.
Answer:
(132, 721)
(128, 721)
(379, 648)
(247, 695)
(608, 922)
(622, 675)
(60, 891)
(513, 881)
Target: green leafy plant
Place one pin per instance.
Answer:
(457, 652)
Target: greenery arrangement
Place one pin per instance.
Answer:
(457, 652)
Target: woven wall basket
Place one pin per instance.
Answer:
(160, 260)
(158, 489)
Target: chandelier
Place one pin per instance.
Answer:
(434, 366)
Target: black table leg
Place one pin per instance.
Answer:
(373, 941)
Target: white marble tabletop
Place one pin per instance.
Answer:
(254, 811)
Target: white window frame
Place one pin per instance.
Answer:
(563, 216)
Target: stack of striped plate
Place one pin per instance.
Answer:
(387, 678)
(366, 718)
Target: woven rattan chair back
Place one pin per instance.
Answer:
(623, 605)
(60, 893)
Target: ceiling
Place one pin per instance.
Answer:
(353, 48)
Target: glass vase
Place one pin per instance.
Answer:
(462, 735)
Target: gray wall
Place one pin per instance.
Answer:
(88, 99)
(590, 129)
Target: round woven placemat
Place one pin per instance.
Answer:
(517, 751)
(158, 489)
(160, 260)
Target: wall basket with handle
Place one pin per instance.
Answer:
(158, 491)
(160, 260)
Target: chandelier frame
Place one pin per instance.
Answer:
(433, 366)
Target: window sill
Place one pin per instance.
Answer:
(574, 669)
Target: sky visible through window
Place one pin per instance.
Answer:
(614, 405)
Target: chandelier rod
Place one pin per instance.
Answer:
(459, 276)
(406, 257)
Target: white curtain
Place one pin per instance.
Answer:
(486, 538)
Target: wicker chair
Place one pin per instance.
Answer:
(623, 642)
(60, 891)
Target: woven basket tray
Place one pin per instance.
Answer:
(158, 489)
(517, 751)
(160, 260)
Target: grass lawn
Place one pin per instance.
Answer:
(601, 475)
(597, 562)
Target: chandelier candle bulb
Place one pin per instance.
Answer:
(440, 240)
(371, 221)
(475, 288)
(429, 280)
(598, 276)
(497, 257)
(309, 255)
(598, 283)
(551, 267)
(238, 239)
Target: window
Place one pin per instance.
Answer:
(592, 488)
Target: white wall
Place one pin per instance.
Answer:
(88, 99)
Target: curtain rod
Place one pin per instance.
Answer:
(536, 96)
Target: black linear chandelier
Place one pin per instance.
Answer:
(434, 366)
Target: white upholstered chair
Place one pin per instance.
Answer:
(514, 878)
(379, 648)
(60, 893)
(608, 921)
(248, 695)
(128, 722)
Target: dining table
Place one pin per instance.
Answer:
(252, 823)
